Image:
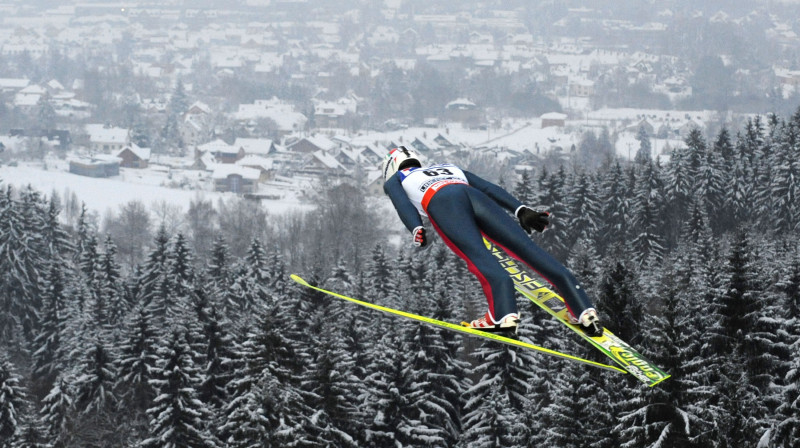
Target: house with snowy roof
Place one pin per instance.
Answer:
(265, 166)
(321, 162)
(256, 146)
(222, 152)
(581, 87)
(30, 96)
(553, 119)
(446, 141)
(423, 145)
(312, 144)
(349, 158)
(11, 85)
(99, 165)
(649, 128)
(105, 138)
(373, 182)
(463, 111)
(235, 179)
(54, 87)
(284, 116)
(133, 156)
(334, 114)
(373, 154)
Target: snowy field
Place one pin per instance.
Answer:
(149, 186)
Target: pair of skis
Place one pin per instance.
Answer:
(627, 359)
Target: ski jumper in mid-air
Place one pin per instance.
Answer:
(463, 208)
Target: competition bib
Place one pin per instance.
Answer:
(420, 184)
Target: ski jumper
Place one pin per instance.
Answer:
(464, 207)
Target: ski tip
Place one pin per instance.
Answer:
(299, 280)
(660, 381)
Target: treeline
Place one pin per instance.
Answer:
(697, 262)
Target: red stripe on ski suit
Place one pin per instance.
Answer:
(487, 288)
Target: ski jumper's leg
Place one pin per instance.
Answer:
(502, 229)
(451, 214)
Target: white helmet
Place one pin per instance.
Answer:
(399, 158)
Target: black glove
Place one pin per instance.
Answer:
(419, 236)
(531, 219)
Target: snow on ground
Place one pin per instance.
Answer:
(151, 186)
(627, 146)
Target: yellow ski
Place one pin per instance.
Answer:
(458, 328)
(609, 343)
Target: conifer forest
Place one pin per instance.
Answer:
(202, 340)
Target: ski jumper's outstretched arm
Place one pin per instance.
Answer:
(495, 192)
(405, 209)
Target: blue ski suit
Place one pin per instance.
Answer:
(463, 207)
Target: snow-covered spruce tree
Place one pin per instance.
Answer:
(109, 285)
(58, 414)
(220, 279)
(246, 424)
(502, 390)
(354, 338)
(266, 405)
(82, 231)
(89, 263)
(619, 299)
(49, 352)
(680, 178)
(787, 427)
(252, 281)
(217, 362)
(646, 225)
(95, 399)
(710, 186)
(787, 430)
(389, 398)
(278, 276)
(738, 404)
(154, 284)
(135, 367)
(177, 417)
(31, 435)
(20, 265)
(331, 390)
(583, 209)
(724, 148)
(644, 154)
(552, 195)
(493, 427)
(523, 189)
(57, 241)
(663, 415)
(561, 419)
(615, 206)
(435, 373)
(181, 266)
(12, 402)
(783, 193)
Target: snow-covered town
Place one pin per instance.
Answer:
(325, 100)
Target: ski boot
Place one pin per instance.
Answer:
(588, 322)
(507, 324)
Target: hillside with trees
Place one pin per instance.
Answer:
(202, 341)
